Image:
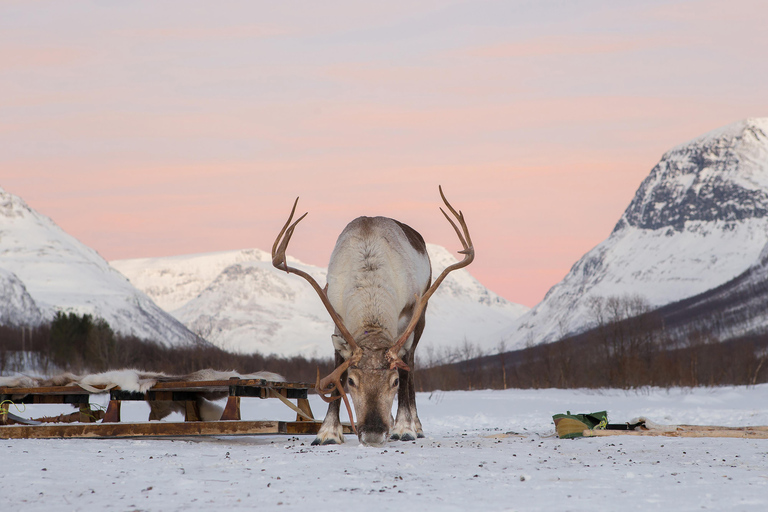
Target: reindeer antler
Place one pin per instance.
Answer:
(332, 382)
(469, 254)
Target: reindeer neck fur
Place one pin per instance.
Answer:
(377, 269)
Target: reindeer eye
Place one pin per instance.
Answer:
(395, 383)
(351, 382)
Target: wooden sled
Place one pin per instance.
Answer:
(188, 393)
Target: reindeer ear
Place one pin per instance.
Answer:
(341, 346)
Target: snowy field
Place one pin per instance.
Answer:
(485, 450)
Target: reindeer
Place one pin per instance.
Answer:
(377, 291)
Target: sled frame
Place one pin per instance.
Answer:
(187, 392)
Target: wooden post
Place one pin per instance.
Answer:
(4, 408)
(113, 412)
(232, 409)
(192, 410)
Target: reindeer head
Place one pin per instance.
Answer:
(372, 384)
(373, 361)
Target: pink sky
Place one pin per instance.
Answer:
(168, 128)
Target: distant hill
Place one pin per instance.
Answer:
(239, 301)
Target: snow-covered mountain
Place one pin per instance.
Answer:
(239, 301)
(44, 270)
(697, 221)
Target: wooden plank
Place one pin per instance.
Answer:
(148, 429)
(223, 385)
(51, 390)
(275, 385)
(714, 427)
(161, 429)
(310, 427)
(740, 432)
(193, 386)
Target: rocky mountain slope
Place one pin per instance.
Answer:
(699, 220)
(44, 270)
(18, 306)
(733, 309)
(239, 301)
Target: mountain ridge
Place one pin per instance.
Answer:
(43, 264)
(239, 301)
(704, 180)
(698, 220)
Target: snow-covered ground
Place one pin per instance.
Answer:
(485, 450)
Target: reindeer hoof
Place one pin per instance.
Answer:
(420, 435)
(329, 440)
(405, 436)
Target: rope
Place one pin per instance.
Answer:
(602, 425)
(6, 403)
(92, 408)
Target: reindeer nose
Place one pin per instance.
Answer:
(373, 438)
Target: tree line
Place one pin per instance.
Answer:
(84, 344)
(628, 347)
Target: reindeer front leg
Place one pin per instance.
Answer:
(331, 431)
(407, 425)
